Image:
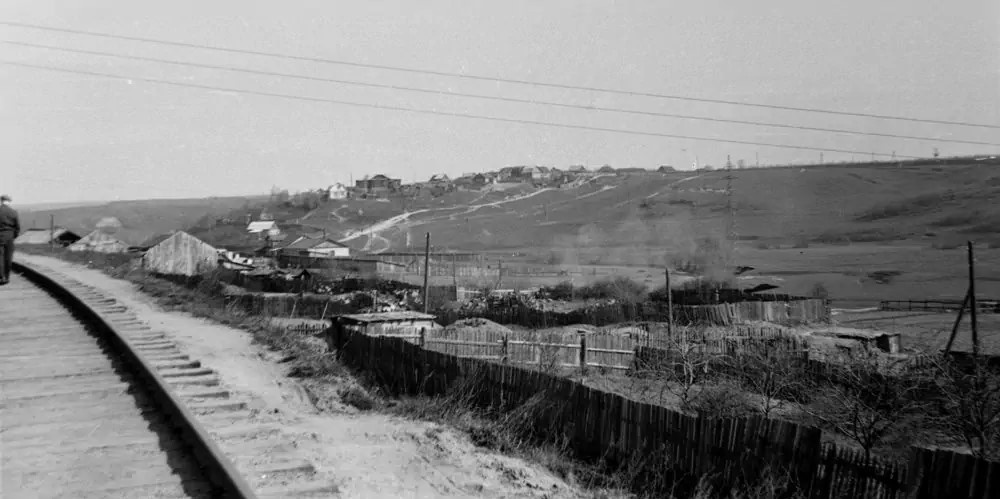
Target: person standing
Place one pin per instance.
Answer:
(10, 228)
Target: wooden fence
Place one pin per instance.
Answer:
(614, 348)
(603, 425)
(984, 306)
(725, 314)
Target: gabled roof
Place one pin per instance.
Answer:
(439, 177)
(261, 225)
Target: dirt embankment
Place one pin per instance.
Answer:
(372, 455)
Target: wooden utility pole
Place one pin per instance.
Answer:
(958, 321)
(972, 300)
(52, 232)
(670, 306)
(427, 261)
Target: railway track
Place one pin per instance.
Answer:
(86, 410)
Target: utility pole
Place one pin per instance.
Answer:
(52, 232)
(427, 261)
(670, 305)
(821, 158)
(972, 300)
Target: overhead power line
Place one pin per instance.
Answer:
(491, 78)
(488, 97)
(440, 113)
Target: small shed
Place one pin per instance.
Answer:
(181, 254)
(886, 342)
(404, 323)
(61, 236)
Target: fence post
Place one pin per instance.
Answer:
(503, 350)
(583, 352)
(423, 337)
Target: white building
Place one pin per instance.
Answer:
(337, 191)
(264, 228)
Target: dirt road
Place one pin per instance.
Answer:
(371, 455)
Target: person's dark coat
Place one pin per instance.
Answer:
(10, 226)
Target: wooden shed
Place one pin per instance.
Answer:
(59, 235)
(181, 254)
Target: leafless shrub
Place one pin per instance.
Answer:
(773, 378)
(862, 403)
(967, 404)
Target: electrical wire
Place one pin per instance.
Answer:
(441, 113)
(492, 78)
(488, 97)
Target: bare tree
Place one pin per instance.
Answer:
(861, 401)
(967, 404)
(774, 377)
(684, 369)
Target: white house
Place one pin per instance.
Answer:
(316, 248)
(264, 228)
(337, 191)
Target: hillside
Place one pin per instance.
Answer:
(773, 207)
(144, 218)
(834, 226)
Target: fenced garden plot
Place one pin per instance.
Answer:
(603, 426)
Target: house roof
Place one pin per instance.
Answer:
(127, 237)
(304, 243)
(386, 317)
(439, 177)
(43, 236)
(261, 225)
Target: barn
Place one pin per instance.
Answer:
(180, 253)
(61, 236)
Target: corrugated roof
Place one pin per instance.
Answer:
(388, 317)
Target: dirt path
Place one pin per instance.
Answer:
(372, 455)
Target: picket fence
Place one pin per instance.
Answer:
(603, 425)
(725, 314)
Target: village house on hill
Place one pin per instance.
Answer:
(336, 191)
(511, 174)
(378, 186)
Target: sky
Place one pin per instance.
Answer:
(68, 136)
